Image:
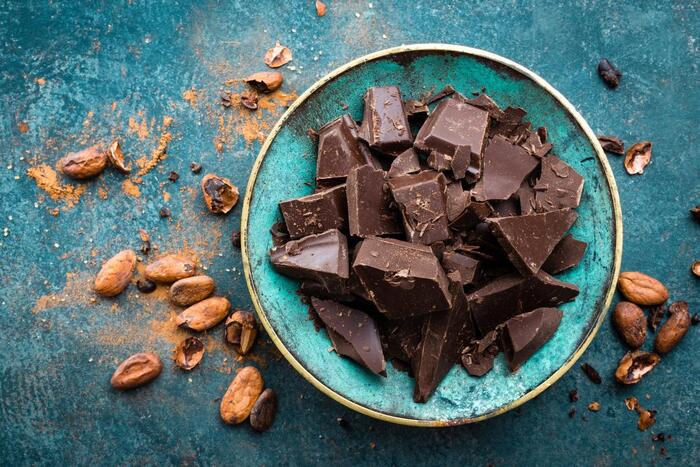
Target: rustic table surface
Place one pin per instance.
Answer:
(151, 73)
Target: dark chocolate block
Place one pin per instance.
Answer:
(475, 213)
(353, 333)
(333, 290)
(370, 207)
(478, 356)
(566, 255)
(416, 111)
(439, 162)
(558, 187)
(322, 258)
(385, 126)
(402, 279)
(467, 267)
(400, 338)
(529, 240)
(465, 164)
(405, 163)
(440, 345)
(339, 150)
(524, 334)
(505, 167)
(512, 294)
(421, 198)
(316, 213)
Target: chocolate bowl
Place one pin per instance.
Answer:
(287, 162)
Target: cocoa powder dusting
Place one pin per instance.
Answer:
(48, 180)
(159, 153)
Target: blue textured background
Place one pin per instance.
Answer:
(60, 349)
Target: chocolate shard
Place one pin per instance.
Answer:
(510, 124)
(524, 334)
(385, 126)
(467, 267)
(452, 126)
(478, 356)
(484, 102)
(416, 111)
(400, 338)
(528, 240)
(535, 146)
(558, 187)
(339, 150)
(505, 167)
(440, 345)
(334, 290)
(405, 163)
(506, 208)
(358, 331)
(566, 255)
(457, 200)
(464, 163)
(322, 258)
(512, 294)
(402, 279)
(439, 162)
(316, 213)
(526, 198)
(371, 210)
(421, 199)
(476, 212)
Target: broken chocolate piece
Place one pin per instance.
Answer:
(322, 258)
(510, 125)
(528, 240)
(402, 279)
(416, 111)
(467, 267)
(484, 102)
(505, 167)
(441, 94)
(566, 255)
(558, 187)
(463, 162)
(421, 198)
(385, 126)
(475, 213)
(507, 208)
(478, 356)
(524, 334)
(316, 213)
(457, 200)
(356, 329)
(535, 146)
(526, 198)
(612, 144)
(439, 162)
(339, 150)
(405, 163)
(609, 73)
(400, 338)
(370, 208)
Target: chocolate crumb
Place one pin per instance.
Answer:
(372, 445)
(695, 320)
(609, 73)
(313, 134)
(661, 437)
(592, 373)
(226, 98)
(344, 106)
(249, 99)
(662, 451)
(236, 238)
(572, 413)
(695, 212)
(173, 177)
(164, 212)
(573, 395)
(195, 167)
(342, 423)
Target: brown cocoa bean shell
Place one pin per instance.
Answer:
(631, 324)
(136, 371)
(634, 365)
(170, 268)
(191, 290)
(84, 164)
(205, 314)
(115, 274)
(188, 353)
(220, 195)
(241, 331)
(642, 289)
(241, 395)
(263, 413)
(675, 327)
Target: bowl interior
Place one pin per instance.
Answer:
(287, 166)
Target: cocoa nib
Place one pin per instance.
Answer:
(195, 167)
(634, 365)
(612, 144)
(695, 320)
(236, 238)
(592, 373)
(249, 99)
(164, 212)
(609, 73)
(638, 157)
(189, 353)
(695, 212)
(655, 314)
(220, 195)
(173, 176)
(573, 395)
(145, 286)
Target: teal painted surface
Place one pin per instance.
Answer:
(56, 406)
(291, 157)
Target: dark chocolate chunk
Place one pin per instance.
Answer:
(528, 240)
(322, 258)
(467, 267)
(353, 333)
(441, 94)
(421, 199)
(440, 345)
(566, 255)
(331, 290)
(316, 213)
(609, 73)
(505, 167)
(484, 102)
(526, 198)
(339, 150)
(279, 234)
(400, 338)
(439, 162)
(371, 211)
(405, 163)
(507, 208)
(612, 144)
(475, 213)
(510, 125)
(558, 187)
(512, 294)
(457, 200)
(464, 163)
(478, 356)
(402, 279)
(385, 126)
(592, 373)
(695, 212)
(524, 334)
(535, 146)
(454, 125)
(416, 111)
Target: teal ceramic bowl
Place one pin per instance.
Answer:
(287, 162)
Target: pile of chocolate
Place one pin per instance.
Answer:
(437, 249)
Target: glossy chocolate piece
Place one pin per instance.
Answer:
(558, 187)
(566, 255)
(529, 240)
(439, 162)
(535, 146)
(405, 163)
(421, 199)
(385, 126)
(512, 294)
(339, 150)
(484, 102)
(478, 356)
(440, 345)
(467, 267)
(505, 167)
(402, 279)
(322, 258)
(454, 124)
(416, 111)
(400, 338)
(358, 331)
(524, 334)
(457, 200)
(316, 213)
(465, 164)
(370, 207)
